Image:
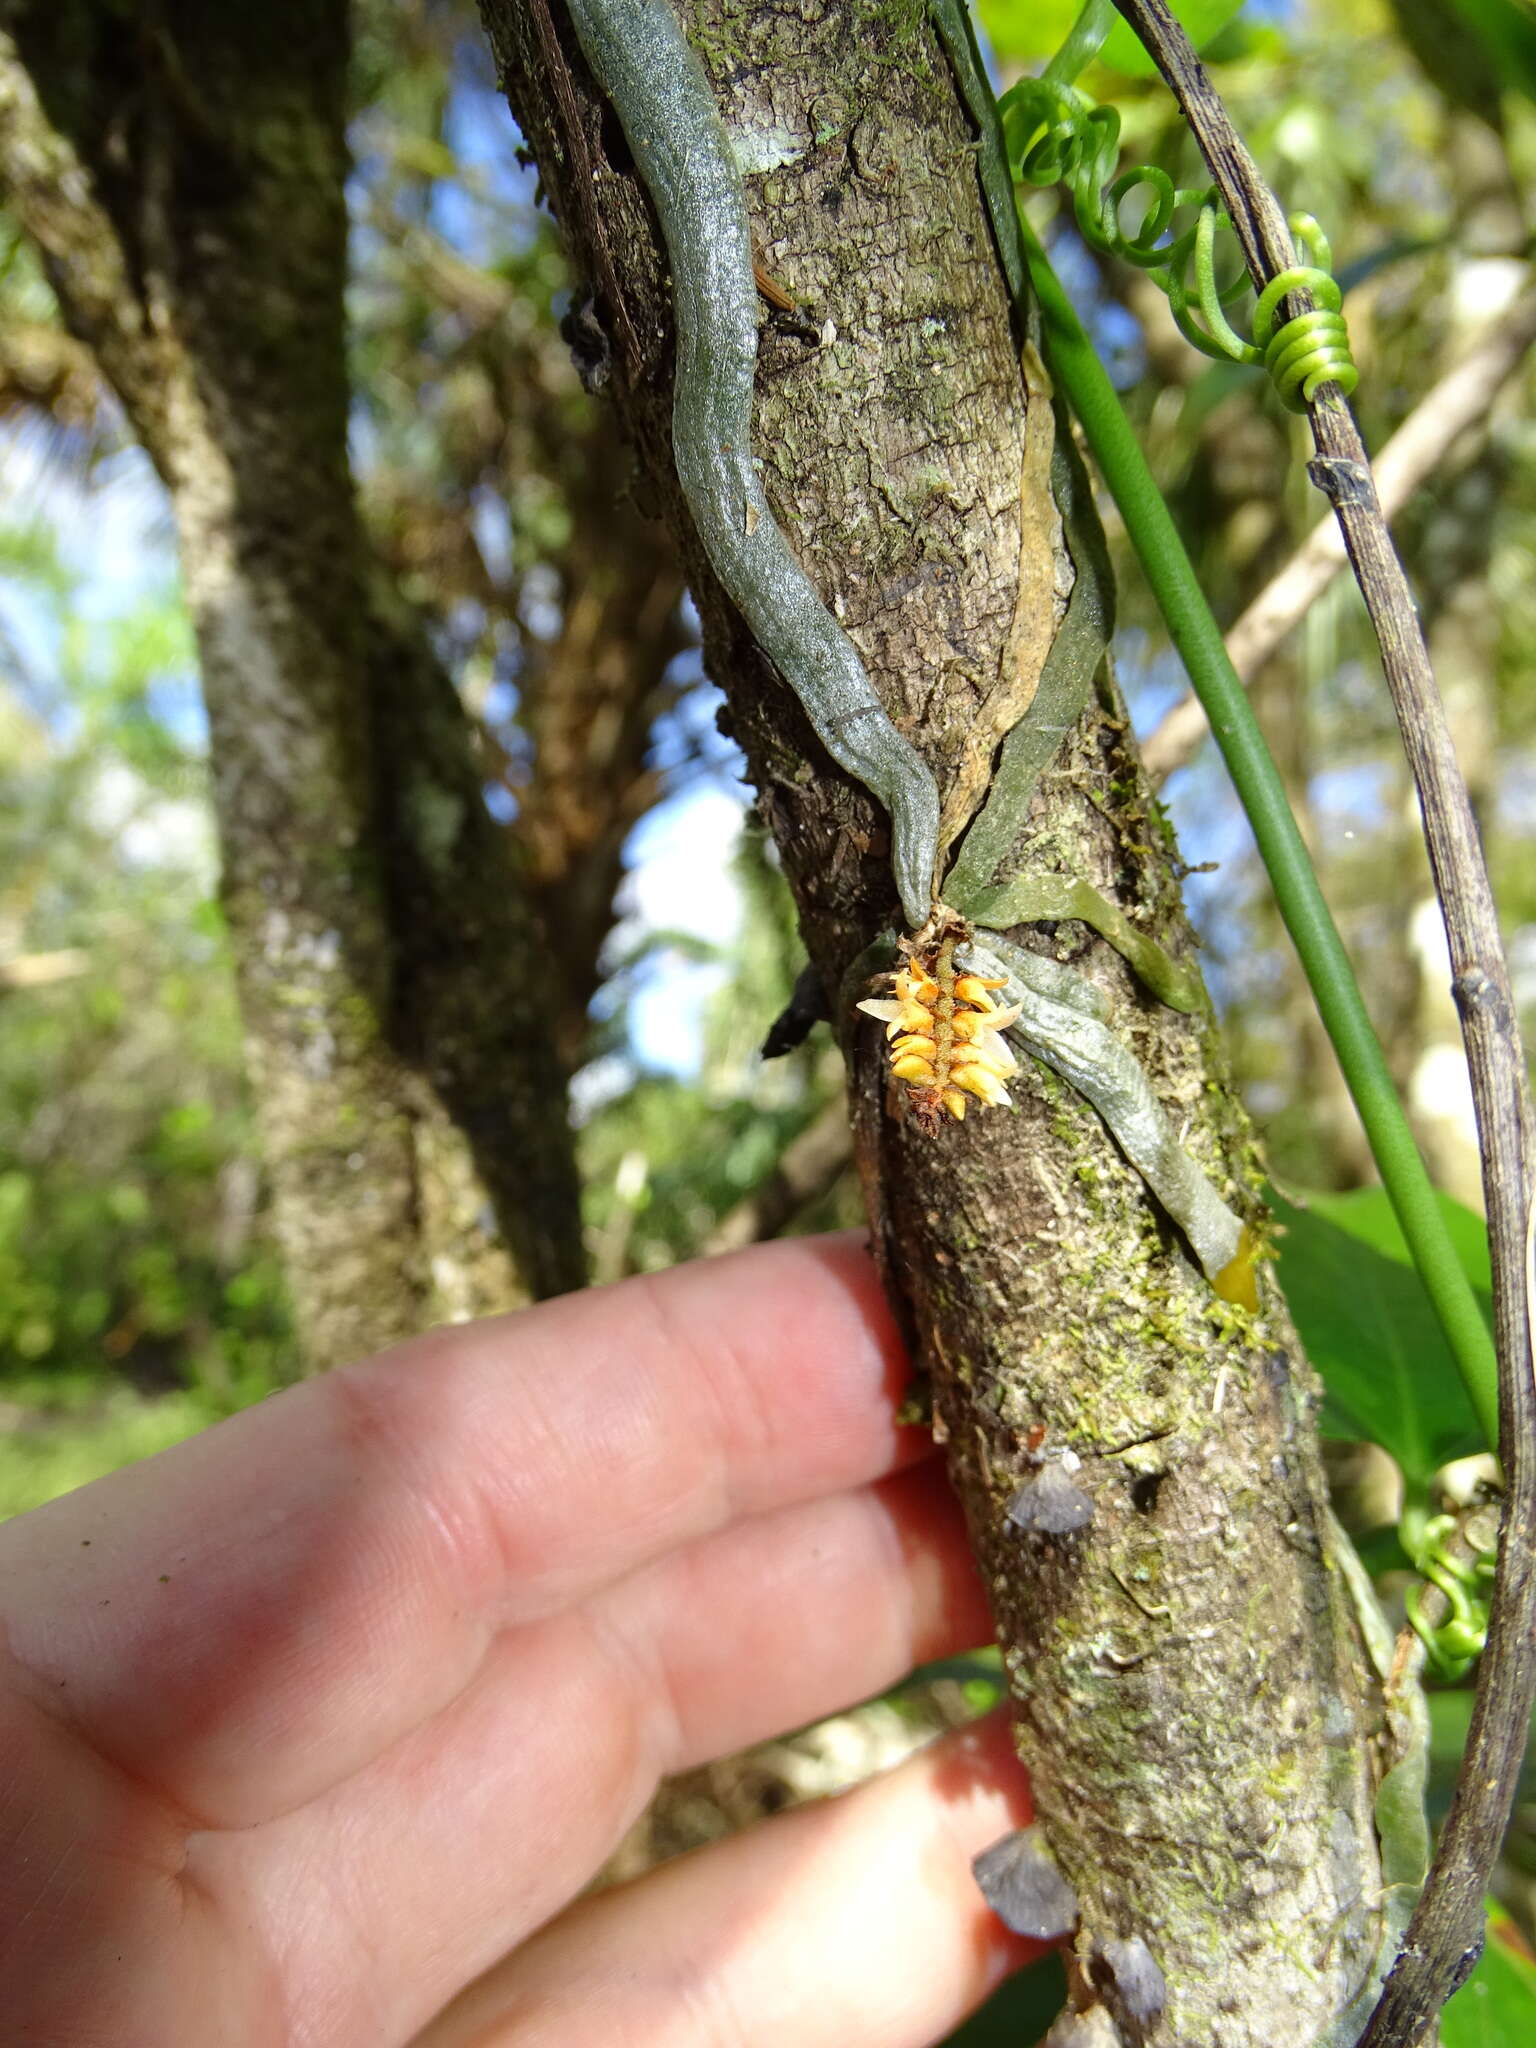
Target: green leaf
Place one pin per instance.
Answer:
(1450, 1720)
(1020, 2011)
(1030, 31)
(1368, 1327)
(1203, 21)
(1027, 31)
(1474, 51)
(1367, 1213)
(1508, 31)
(1496, 2007)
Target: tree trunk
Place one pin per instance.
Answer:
(1188, 1682)
(182, 168)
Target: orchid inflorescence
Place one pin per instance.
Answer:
(945, 1031)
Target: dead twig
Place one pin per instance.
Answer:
(1418, 448)
(1447, 1924)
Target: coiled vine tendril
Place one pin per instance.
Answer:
(1058, 135)
(1452, 1648)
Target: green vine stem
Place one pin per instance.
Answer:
(1085, 39)
(1197, 638)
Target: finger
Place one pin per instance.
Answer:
(473, 1830)
(100, 1945)
(246, 1619)
(854, 1923)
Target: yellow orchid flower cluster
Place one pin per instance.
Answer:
(945, 1036)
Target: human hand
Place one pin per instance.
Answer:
(311, 1728)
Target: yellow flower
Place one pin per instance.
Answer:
(945, 1035)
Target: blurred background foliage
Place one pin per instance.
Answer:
(140, 1295)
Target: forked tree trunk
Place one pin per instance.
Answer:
(181, 168)
(1188, 1680)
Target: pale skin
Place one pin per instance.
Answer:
(312, 1729)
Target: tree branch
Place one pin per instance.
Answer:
(40, 970)
(51, 192)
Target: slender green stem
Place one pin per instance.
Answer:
(1083, 44)
(1197, 637)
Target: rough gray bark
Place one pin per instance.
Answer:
(181, 169)
(1189, 1685)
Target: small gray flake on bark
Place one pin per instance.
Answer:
(1050, 1505)
(1022, 1885)
(587, 339)
(1139, 1987)
(1345, 482)
(1467, 1963)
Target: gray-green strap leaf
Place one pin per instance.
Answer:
(1066, 686)
(1028, 899)
(1087, 1053)
(643, 62)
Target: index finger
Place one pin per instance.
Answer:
(248, 1618)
